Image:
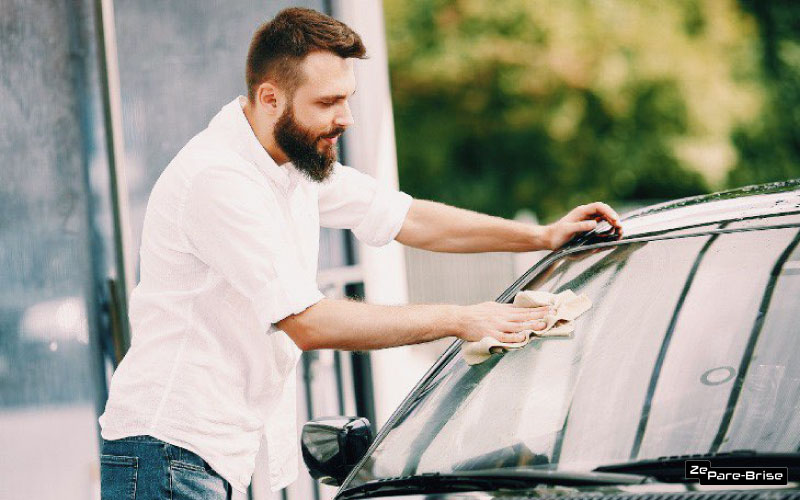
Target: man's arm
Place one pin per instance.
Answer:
(349, 325)
(441, 228)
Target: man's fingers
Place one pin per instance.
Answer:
(510, 338)
(514, 307)
(582, 226)
(597, 209)
(508, 322)
(526, 308)
(529, 315)
(537, 325)
(523, 310)
(604, 211)
(512, 327)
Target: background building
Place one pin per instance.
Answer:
(97, 97)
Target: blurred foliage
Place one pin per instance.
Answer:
(513, 104)
(769, 147)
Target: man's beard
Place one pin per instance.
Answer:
(300, 145)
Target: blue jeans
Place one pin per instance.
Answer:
(146, 468)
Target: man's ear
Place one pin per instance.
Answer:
(269, 96)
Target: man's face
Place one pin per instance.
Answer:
(317, 114)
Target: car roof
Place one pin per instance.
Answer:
(761, 205)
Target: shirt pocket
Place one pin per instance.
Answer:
(118, 477)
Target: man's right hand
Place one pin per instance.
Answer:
(501, 321)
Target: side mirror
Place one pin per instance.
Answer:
(332, 446)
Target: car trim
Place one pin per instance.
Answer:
(772, 188)
(708, 223)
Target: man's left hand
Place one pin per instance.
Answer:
(580, 219)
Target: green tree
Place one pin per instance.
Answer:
(769, 146)
(516, 104)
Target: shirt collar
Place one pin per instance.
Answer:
(244, 140)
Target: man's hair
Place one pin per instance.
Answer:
(280, 45)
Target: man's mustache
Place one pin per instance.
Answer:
(333, 133)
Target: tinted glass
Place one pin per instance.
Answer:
(687, 348)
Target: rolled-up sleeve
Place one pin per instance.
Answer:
(350, 199)
(230, 224)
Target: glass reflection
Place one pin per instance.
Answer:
(666, 362)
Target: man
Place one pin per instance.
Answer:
(228, 299)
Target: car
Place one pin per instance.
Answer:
(685, 370)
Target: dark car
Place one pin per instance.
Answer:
(690, 352)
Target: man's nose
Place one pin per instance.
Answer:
(345, 117)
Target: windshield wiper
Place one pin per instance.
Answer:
(488, 480)
(672, 469)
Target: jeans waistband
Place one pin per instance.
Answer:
(144, 438)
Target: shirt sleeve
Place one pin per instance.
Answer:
(350, 199)
(232, 226)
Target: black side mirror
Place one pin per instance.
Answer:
(332, 446)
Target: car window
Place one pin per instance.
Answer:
(687, 348)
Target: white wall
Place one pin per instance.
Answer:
(371, 149)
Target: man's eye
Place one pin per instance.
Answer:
(327, 103)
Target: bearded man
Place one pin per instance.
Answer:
(228, 298)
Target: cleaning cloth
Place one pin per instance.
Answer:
(559, 323)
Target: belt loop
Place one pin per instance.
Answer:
(169, 451)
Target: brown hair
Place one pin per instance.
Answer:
(280, 45)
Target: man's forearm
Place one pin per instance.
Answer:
(354, 326)
(350, 325)
(442, 228)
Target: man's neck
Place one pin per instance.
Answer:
(263, 132)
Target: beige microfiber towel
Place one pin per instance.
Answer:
(559, 323)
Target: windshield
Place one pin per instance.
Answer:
(690, 346)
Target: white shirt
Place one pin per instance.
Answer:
(229, 247)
